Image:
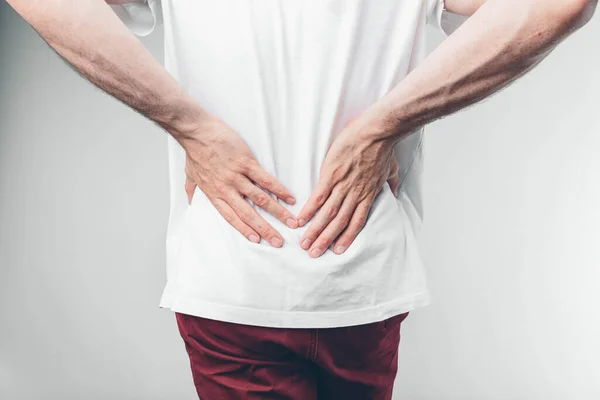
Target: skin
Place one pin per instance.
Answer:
(393, 178)
(105, 52)
(501, 41)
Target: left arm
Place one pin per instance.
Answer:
(501, 41)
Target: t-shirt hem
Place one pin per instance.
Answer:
(295, 319)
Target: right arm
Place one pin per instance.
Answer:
(89, 36)
(107, 54)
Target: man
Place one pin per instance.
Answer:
(295, 127)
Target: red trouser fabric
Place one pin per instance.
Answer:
(232, 361)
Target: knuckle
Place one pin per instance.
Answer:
(242, 165)
(229, 177)
(245, 215)
(283, 214)
(332, 211)
(224, 194)
(344, 220)
(266, 183)
(241, 212)
(361, 221)
(263, 230)
(247, 162)
(337, 174)
(219, 187)
(260, 200)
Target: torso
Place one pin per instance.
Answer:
(287, 76)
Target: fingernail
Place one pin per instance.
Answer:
(306, 244)
(275, 241)
(290, 200)
(340, 249)
(316, 252)
(254, 238)
(301, 222)
(291, 222)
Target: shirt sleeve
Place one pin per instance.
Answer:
(434, 13)
(141, 16)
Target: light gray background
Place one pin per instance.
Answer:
(511, 239)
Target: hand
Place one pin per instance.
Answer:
(222, 165)
(352, 175)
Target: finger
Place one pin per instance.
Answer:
(267, 203)
(316, 200)
(326, 214)
(234, 220)
(190, 186)
(332, 231)
(249, 215)
(269, 183)
(357, 222)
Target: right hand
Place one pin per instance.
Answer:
(222, 165)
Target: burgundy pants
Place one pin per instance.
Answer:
(233, 361)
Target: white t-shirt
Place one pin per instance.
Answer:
(288, 76)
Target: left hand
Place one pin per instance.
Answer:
(352, 175)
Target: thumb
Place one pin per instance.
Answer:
(190, 187)
(393, 177)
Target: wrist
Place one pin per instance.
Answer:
(184, 117)
(381, 124)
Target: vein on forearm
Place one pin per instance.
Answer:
(122, 81)
(498, 44)
(91, 39)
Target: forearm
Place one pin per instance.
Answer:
(500, 42)
(90, 37)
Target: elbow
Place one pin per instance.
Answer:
(576, 13)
